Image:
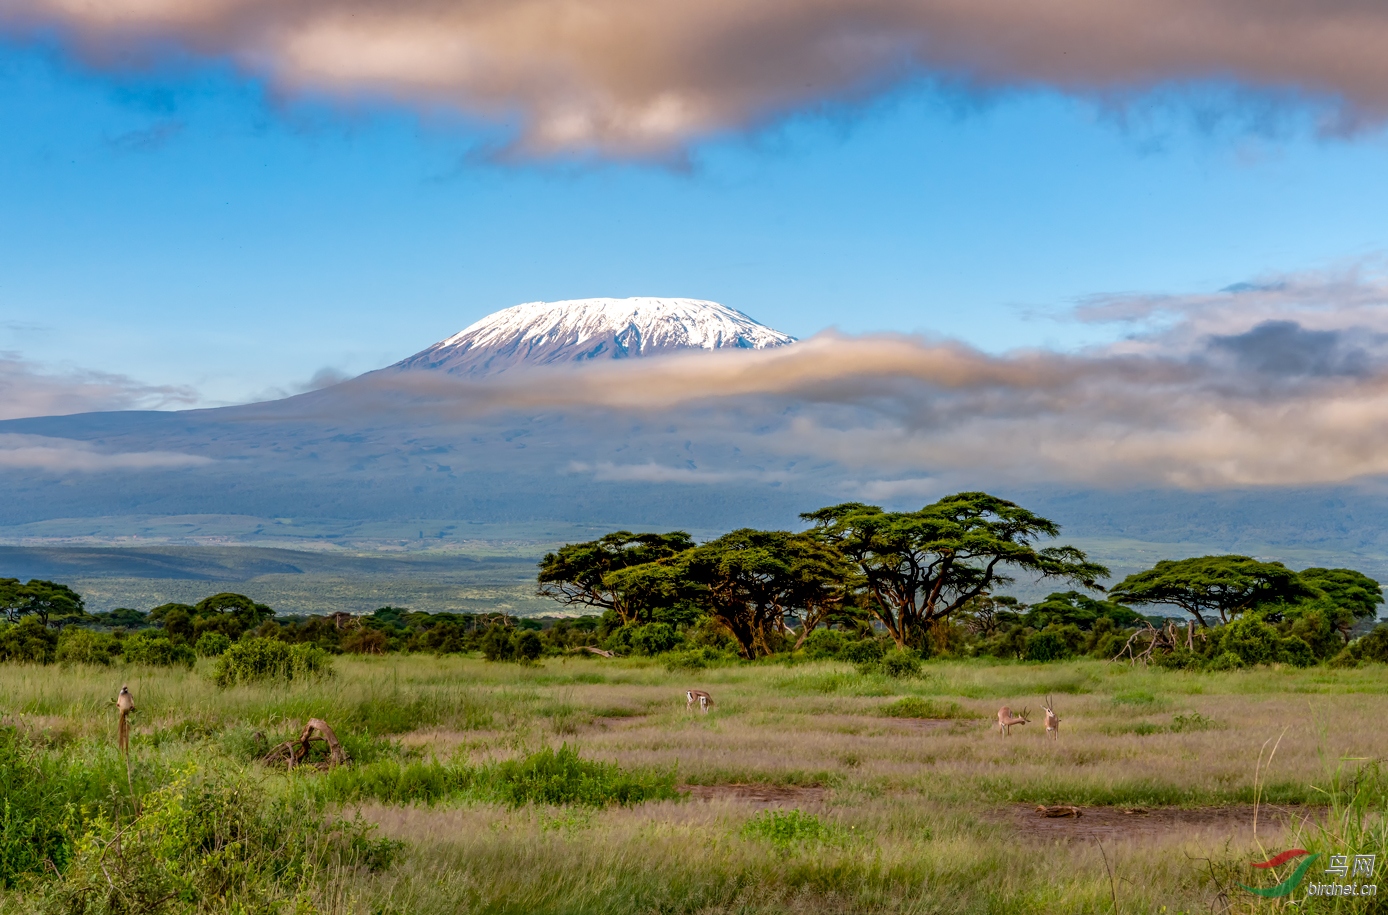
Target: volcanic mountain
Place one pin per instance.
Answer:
(579, 330)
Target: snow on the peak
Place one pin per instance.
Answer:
(542, 333)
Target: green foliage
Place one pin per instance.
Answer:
(926, 565)
(256, 659)
(497, 644)
(202, 842)
(583, 573)
(1371, 648)
(863, 651)
(1055, 643)
(1075, 609)
(1353, 593)
(563, 777)
(1194, 721)
(654, 638)
(528, 645)
(554, 777)
(212, 645)
(36, 813)
(51, 603)
(788, 829)
(154, 650)
(917, 707)
(824, 643)
(28, 641)
(1213, 586)
(900, 664)
(82, 646)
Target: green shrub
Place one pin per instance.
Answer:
(28, 641)
(916, 707)
(563, 777)
(901, 664)
(529, 647)
(497, 644)
(1048, 645)
(250, 660)
(155, 650)
(863, 651)
(654, 638)
(824, 643)
(212, 644)
(787, 829)
(1371, 648)
(204, 844)
(82, 646)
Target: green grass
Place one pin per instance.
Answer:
(557, 788)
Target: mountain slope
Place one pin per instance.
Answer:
(546, 333)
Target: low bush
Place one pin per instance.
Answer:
(212, 645)
(863, 651)
(563, 777)
(28, 641)
(824, 643)
(251, 660)
(1371, 648)
(155, 650)
(787, 829)
(82, 646)
(654, 638)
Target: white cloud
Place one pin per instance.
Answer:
(62, 455)
(28, 390)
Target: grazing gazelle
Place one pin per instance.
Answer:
(1052, 722)
(699, 696)
(1006, 719)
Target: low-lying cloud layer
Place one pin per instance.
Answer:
(631, 77)
(1253, 386)
(27, 390)
(62, 455)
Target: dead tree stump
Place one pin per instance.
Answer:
(292, 753)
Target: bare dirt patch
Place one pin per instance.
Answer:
(1116, 823)
(758, 797)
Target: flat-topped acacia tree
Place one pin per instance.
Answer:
(923, 566)
(584, 573)
(1208, 585)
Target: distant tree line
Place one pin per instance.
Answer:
(884, 590)
(875, 587)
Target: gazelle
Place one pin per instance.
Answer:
(702, 698)
(1006, 719)
(1052, 722)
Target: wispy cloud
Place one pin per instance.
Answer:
(28, 390)
(635, 78)
(61, 455)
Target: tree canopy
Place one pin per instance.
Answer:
(582, 573)
(49, 602)
(919, 567)
(1208, 585)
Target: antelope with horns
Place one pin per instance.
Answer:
(1006, 719)
(703, 699)
(1052, 722)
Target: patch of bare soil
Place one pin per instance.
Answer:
(1104, 823)
(758, 797)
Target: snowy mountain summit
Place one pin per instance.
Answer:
(546, 333)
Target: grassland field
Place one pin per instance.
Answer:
(807, 788)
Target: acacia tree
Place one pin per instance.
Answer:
(50, 602)
(749, 580)
(1350, 595)
(582, 573)
(1207, 585)
(11, 598)
(923, 566)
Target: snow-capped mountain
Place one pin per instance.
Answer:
(545, 333)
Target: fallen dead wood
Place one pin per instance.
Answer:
(292, 753)
(1062, 810)
(591, 650)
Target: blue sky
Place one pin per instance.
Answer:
(192, 226)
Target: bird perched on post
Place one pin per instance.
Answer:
(126, 703)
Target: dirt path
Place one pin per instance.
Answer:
(758, 797)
